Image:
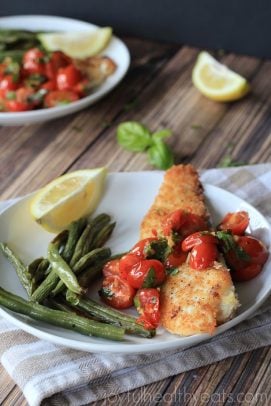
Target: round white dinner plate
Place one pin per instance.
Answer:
(116, 50)
(127, 198)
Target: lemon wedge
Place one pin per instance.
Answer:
(79, 45)
(216, 81)
(68, 198)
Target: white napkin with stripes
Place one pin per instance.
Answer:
(53, 375)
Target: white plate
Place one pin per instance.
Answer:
(116, 50)
(127, 198)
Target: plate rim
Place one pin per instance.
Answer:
(33, 116)
(109, 346)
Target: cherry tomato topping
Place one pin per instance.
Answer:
(82, 87)
(249, 250)
(68, 77)
(246, 273)
(175, 259)
(184, 223)
(33, 61)
(117, 293)
(59, 98)
(49, 85)
(126, 263)
(235, 222)
(198, 238)
(15, 106)
(203, 255)
(141, 248)
(146, 273)
(57, 60)
(111, 268)
(7, 83)
(147, 304)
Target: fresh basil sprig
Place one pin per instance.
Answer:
(135, 137)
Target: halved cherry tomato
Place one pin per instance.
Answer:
(33, 61)
(117, 292)
(68, 77)
(82, 87)
(184, 223)
(235, 222)
(147, 303)
(198, 238)
(252, 251)
(57, 60)
(111, 268)
(203, 255)
(60, 97)
(140, 249)
(246, 273)
(126, 263)
(175, 259)
(7, 83)
(146, 273)
(16, 106)
(49, 85)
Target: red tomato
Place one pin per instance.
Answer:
(68, 77)
(235, 222)
(50, 85)
(184, 223)
(82, 87)
(57, 60)
(203, 255)
(175, 259)
(246, 273)
(126, 263)
(33, 61)
(117, 292)
(253, 251)
(15, 106)
(141, 247)
(147, 303)
(173, 222)
(60, 97)
(146, 273)
(111, 268)
(198, 238)
(7, 83)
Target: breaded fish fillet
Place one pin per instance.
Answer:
(192, 301)
(181, 189)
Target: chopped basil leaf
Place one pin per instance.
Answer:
(150, 279)
(228, 243)
(158, 249)
(106, 292)
(10, 95)
(172, 271)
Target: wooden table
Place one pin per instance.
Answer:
(158, 92)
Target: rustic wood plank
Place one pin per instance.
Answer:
(174, 104)
(31, 150)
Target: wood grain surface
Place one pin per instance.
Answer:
(158, 92)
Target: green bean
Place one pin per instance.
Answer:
(33, 266)
(109, 315)
(84, 242)
(60, 318)
(62, 269)
(90, 274)
(95, 256)
(75, 231)
(21, 270)
(45, 288)
(103, 235)
(96, 226)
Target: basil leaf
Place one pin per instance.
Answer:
(106, 292)
(133, 136)
(158, 249)
(172, 271)
(150, 279)
(160, 155)
(228, 243)
(159, 135)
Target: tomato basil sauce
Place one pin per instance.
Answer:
(135, 278)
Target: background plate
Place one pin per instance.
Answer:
(127, 198)
(116, 50)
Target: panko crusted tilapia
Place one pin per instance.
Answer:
(192, 301)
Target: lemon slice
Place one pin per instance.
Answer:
(68, 198)
(77, 44)
(216, 81)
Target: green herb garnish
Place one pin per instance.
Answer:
(228, 243)
(150, 279)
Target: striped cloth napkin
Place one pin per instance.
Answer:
(53, 375)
